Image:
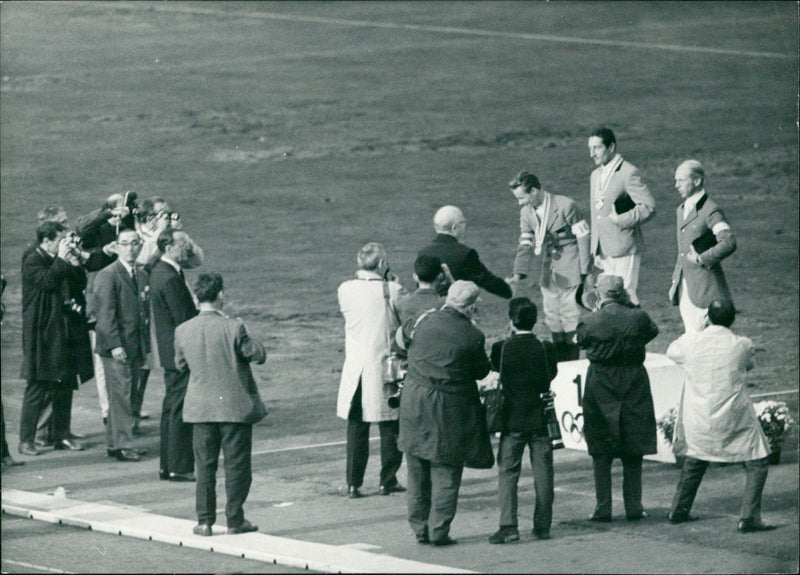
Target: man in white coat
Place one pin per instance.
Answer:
(368, 306)
(716, 420)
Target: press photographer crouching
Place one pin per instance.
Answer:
(526, 366)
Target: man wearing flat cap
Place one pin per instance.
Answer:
(442, 426)
(553, 227)
(463, 262)
(618, 414)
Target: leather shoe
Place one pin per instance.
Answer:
(444, 541)
(203, 530)
(353, 492)
(642, 515)
(71, 435)
(504, 535)
(244, 527)
(600, 518)
(182, 477)
(677, 518)
(388, 490)
(28, 449)
(68, 445)
(9, 461)
(163, 475)
(44, 443)
(541, 533)
(423, 537)
(126, 455)
(751, 526)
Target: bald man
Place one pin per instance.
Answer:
(463, 261)
(704, 240)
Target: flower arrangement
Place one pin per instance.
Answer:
(775, 421)
(666, 424)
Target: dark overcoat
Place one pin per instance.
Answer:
(441, 417)
(618, 413)
(55, 336)
(172, 304)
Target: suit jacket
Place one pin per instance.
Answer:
(55, 337)
(172, 304)
(528, 366)
(625, 237)
(565, 253)
(705, 281)
(123, 312)
(217, 351)
(465, 264)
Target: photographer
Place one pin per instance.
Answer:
(526, 366)
(368, 306)
(153, 216)
(55, 337)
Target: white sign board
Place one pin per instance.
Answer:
(666, 382)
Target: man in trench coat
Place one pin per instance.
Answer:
(367, 304)
(442, 425)
(618, 414)
(716, 420)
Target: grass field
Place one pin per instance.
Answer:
(290, 134)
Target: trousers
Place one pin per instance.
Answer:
(37, 395)
(236, 442)
(119, 379)
(432, 496)
(692, 474)
(176, 436)
(509, 467)
(631, 484)
(358, 447)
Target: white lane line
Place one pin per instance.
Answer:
(301, 447)
(37, 567)
(784, 392)
(478, 32)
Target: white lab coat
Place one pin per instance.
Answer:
(363, 306)
(716, 420)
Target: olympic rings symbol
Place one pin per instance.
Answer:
(573, 424)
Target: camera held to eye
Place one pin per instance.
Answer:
(74, 240)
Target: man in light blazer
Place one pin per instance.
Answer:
(172, 304)
(704, 240)
(122, 339)
(621, 203)
(222, 401)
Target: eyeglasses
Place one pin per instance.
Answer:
(132, 243)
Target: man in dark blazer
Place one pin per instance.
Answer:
(172, 304)
(463, 261)
(123, 339)
(704, 240)
(55, 338)
(621, 202)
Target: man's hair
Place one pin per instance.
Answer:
(208, 286)
(165, 238)
(721, 312)
(606, 135)
(446, 218)
(523, 313)
(695, 169)
(49, 214)
(427, 268)
(113, 201)
(526, 179)
(48, 230)
(370, 256)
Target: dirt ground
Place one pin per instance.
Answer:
(289, 134)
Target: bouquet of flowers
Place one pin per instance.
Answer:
(775, 421)
(666, 423)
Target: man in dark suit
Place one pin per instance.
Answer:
(704, 240)
(123, 339)
(55, 339)
(463, 261)
(172, 305)
(621, 202)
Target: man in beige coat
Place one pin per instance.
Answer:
(368, 306)
(222, 401)
(716, 420)
(621, 203)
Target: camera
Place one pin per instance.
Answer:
(73, 239)
(551, 419)
(130, 203)
(173, 217)
(71, 305)
(394, 399)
